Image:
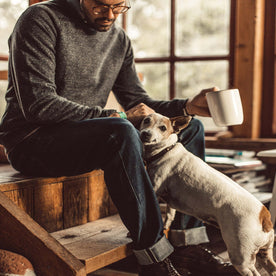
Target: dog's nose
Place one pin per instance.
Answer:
(145, 136)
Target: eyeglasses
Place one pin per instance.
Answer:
(105, 8)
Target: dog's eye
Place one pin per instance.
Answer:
(147, 121)
(163, 128)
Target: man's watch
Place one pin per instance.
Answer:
(185, 110)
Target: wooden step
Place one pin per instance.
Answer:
(98, 243)
(112, 272)
(58, 203)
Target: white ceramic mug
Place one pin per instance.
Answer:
(225, 107)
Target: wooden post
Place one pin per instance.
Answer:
(248, 67)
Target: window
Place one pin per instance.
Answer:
(9, 12)
(182, 46)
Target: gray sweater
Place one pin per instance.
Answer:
(61, 69)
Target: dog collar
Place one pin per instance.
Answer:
(158, 155)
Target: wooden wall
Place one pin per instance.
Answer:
(248, 64)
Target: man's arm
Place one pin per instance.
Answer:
(33, 68)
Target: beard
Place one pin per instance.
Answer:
(103, 24)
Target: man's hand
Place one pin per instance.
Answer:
(116, 115)
(136, 114)
(198, 104)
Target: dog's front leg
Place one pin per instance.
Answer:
(170, 214)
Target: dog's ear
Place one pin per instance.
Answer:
(180, 122)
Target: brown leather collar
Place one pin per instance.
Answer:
(159, 154)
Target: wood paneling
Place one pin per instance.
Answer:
(98, 197)
(248, 66)
(75, 193)
(22, 198)
(48, 206)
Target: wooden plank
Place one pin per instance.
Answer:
(3, 75)
(112, 272)
(257, 144)
(97, 243)
(4, 57)
(10, 179)
(21, 234)
(98, 197)
(248, 63)
(48, 206)
(75, 196)
(23, 198)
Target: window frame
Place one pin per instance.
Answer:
(172, 58)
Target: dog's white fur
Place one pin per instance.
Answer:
(191, 186)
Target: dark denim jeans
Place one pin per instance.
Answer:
(113, 145)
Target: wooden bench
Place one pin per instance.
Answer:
(64, 226)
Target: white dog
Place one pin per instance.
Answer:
(191, 186)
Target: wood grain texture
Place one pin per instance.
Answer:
(97, 243)
(75, 202)
(21, 234)
(48, 206)
(249, 64)
(23, 198)
(98, 196)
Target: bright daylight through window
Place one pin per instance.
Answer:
(180, 57)
(9, 13)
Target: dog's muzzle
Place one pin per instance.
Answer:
(145, 136)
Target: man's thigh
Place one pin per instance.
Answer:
(67, 149)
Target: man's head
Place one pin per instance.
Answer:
(101, 14)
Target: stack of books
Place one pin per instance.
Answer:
(244, 168)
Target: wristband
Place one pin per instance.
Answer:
(122, 115)
(186, 112)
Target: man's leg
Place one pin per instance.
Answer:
(192, 139)
(112, 144)
(188, 234)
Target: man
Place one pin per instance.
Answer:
(65, 58)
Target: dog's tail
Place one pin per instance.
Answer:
(265, 220)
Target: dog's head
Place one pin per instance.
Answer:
(156, 128)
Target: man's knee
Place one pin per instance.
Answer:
(126, 132)
(195, 130)
(197, 127)
(193, 138)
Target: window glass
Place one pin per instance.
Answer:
(3, 88)
(149, 28)
(10, 10)
(155, 78)
(202, 27)
(192, 77)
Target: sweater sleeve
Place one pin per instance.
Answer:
(130, 92)
(32, 69)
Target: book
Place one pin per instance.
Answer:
(233, 162)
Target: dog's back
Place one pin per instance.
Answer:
(191, 186)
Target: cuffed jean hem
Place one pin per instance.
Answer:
(187, 237)
(154, 254)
